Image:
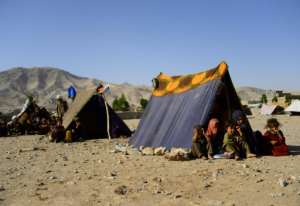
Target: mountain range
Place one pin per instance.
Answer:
(45, 83)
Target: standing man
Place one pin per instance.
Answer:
(61, 107)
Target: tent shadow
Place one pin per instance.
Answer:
(294, 149)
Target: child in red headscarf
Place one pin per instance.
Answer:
(274, 139)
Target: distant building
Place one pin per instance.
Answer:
(284, 97)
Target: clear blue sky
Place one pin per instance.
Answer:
(133, 40)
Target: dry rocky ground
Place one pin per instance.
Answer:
(35, 172)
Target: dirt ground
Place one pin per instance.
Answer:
(35, 172)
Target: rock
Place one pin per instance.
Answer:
(298, 193)
(207, 185)
(71, 183)
(65, 158)
(52, 178)
(2, 188)
(245, 166)
(217, 173)
(148, 151)
(40, 184)
(157, 179)
(121, 190)
(177, 154)
(100, 161)
(120, 162)
(258, 170)
(113, 173)
(160, 151)
(283, 182)
(259, 180)
(178, 196)
(157, 191)
(276, 195)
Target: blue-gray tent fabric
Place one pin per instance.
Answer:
(168, 121)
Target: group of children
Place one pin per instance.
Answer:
(236, 143)
(74, 133)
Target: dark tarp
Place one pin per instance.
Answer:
(168, 120)
(90, 109)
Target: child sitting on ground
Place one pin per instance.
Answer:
(199, 143)
(57, 132)
(274, 139)
(234, 142)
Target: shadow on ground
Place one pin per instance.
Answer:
(294, 149)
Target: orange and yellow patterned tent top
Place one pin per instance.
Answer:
(178, 84)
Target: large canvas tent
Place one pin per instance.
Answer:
(271, 109)
(180, 102)
(90, 108)
(294, 108)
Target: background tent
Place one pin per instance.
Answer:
(180, 102)
(271, 109)
(294, 108)
(90, 108)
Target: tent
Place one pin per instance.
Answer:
(294, 108)
(180, 102)
(271, 109)
(90, 108)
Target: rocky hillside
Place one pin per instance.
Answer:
(46, 83)
(252, 93)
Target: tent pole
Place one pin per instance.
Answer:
(107, 118)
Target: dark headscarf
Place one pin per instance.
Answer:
(237, 115)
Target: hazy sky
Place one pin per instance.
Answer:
(133, 40)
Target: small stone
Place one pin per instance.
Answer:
(283, 182)
(52, 178)
(41, 184)
(178, 196)
(276, 195)
(217, 173)
(148, 151)
(113, 174)
(2, 188)
(65, 158)
(19, 174)
(71, 183)
(258, 170)
(157, 179)
(121, 190)
(206, 185)
(245, 166)
(259, 180)
(158, 191)
(100, 161)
